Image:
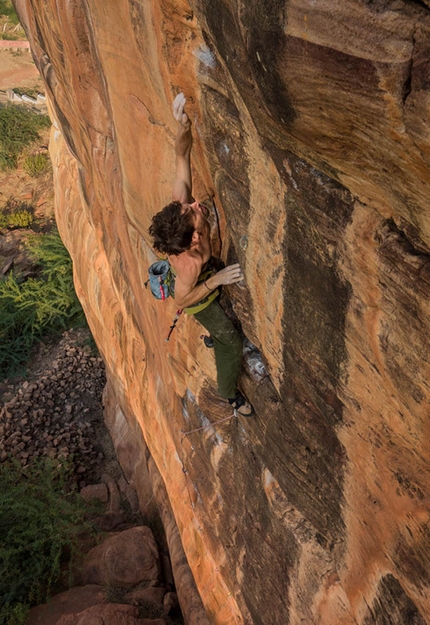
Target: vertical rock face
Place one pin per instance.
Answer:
(312, 138)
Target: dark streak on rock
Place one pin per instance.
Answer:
(260, 52)
(345, 72)
(83, 185)
(407, 85)
(266, 42)
(403, 249)
(315, 302)
(225, 141)
(298, 441)
(382, 6)
(425, 4)
(392, 606)
(409, 486)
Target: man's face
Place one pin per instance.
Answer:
(198, 214)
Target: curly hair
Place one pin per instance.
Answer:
(172, 231)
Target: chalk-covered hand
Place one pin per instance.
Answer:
(228, 275)
(179, 112)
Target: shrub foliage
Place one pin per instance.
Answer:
(7, 9)
(18, 219)
(19, 128)
(40, 518)
(36, 164)
(36, 307)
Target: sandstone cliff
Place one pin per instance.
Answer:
(312, 139)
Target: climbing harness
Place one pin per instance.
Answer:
(203, 303)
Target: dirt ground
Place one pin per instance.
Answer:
(17, 69)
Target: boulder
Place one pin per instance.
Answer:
(95, 492)
(125, 559)
(76, 599)
(151, 595)
(108, 614)
(170, 602)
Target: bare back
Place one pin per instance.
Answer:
(189, 264)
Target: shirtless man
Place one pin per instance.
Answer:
(181, 231)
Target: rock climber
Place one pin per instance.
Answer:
(181, 230)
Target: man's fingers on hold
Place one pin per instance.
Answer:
(178, 106)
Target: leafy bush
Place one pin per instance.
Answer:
(15, 614)
(7, 9)
(37, 307)
(9, 36)
(40, 520)
(36, 164)
(18, 219)
(16, 214)
(19, 128)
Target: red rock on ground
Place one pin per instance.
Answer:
(150, 595)
(108, 614)
(125, 559)
(76, 599)
(95, 492)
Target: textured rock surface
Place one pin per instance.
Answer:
(125, 559)
(110, 614)
(74, 600)
(141, 472)
(311, 134)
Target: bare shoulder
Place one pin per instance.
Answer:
(187, 266)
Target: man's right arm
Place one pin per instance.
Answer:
(183, 143)
(188, 292)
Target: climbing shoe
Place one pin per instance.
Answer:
(241, 406)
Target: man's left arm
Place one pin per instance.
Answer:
(183, 144)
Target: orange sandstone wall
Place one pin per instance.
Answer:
(312, 137)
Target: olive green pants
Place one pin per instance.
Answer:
(227, 346)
